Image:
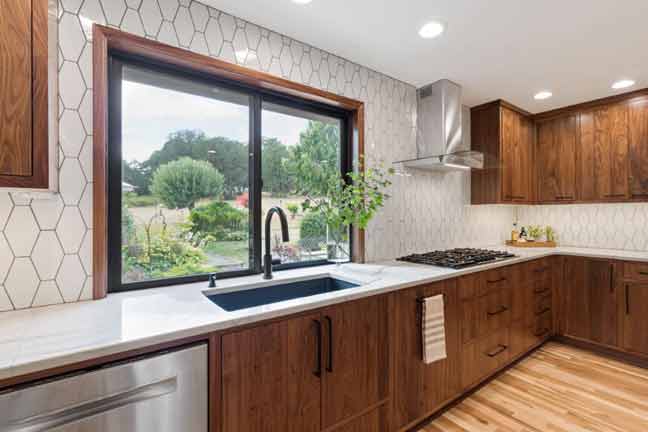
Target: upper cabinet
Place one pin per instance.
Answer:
(24, 92)
(505, 135)
(556, 159)
(638, 149)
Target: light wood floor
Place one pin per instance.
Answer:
(558, 388)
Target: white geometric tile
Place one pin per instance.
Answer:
(71, 85)
(85, 205)
(47, 255)
(132, 23)
(85, 65)
(70, 278)
(184, 26)
(85, 111)
(85, 252)
(227, 52)
(169, 8)
(86, 292)
(48, 294)
(199, 44)
(151, 17)
(6, 205)
(228, 26)
(240, 46)
(167, 34)
(214, 37)
(5, 303)
(264, 54)
(72, 133)
(21, 231)
(134, 4)
(199, 16)
(276, 44)
(47, 211)
(71, 5)
(71, 181)
(6, 257)
(71, 37)
(21, 283)
(70, 230)
(92, 10)
(253, 34)
(114, 10)
(85, 158)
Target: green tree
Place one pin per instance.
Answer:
(276, 175)
(316, 159)
(137, 175)
(180, 183)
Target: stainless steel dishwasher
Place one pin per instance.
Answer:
(162, 393)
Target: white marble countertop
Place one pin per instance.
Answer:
(42, 338)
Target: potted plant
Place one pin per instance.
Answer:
(535, 232)
(352, 200)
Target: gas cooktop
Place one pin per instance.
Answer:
(458, 258)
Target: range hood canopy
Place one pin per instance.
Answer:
(443, 130)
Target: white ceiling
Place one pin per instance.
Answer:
(507, 49)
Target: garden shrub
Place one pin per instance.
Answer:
(219, 221)
(312, 231)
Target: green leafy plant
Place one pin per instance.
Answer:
(293, 209)
(550, 233)
(353, 200)
(217, 221)
(312, 231)
(181, 183)
(535, 231)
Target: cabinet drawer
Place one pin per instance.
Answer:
(543, 326)
(494, 311)
(541, 287)
(494, 280)
(494, 351)
(542, 305)
(467, 285)
(539, 269)
(635, 271)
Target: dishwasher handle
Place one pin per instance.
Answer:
(71, 414)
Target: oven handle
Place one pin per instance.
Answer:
(71, 414)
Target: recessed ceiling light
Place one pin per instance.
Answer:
(431, 30)
(543, 95)
(302, 2)
(623, 84)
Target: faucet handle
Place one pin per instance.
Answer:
(276, 261)
(212, 280)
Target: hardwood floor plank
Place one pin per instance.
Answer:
(557, 389)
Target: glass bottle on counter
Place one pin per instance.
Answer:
(515, 234)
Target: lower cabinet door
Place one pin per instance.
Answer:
(356, 358)
(485, 356)
(421, 388)
(271, 377)
(635, 318)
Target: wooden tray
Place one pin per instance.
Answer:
(531, 244)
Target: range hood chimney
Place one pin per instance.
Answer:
(443, 130)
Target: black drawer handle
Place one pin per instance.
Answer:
(329, 323)
(499, 350)
(318, 349)
(564, 197)
(514, 197)
(627, 299)
(541, 333)
(502, 309)
(643, 273)
(541, 269)
(614, 195)
(541, 291)
(496, 281)
(546, 309)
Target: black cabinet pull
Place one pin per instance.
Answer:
(318, 350)
(500, 349)
(627, 299)
(329, 323)
(498, 311)
(564, 197)
(611, 278)
(540, 312)
(496, 281)
(614, 195)
(518, 197)
(643, 273)
(540, 291)
(541, 269)
(541, 333)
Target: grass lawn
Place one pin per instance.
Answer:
(236, 250)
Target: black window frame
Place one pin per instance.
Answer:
(257, 96)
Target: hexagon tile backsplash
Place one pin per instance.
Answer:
(46, 244)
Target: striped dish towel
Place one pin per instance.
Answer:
(433, 329)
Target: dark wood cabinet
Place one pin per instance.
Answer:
(271, 377)
(590, 300)
(638, 149)
(635, 317)
(24, 145)
(556, 160)
(603, 154)
(506, 136)
(421, 389)
(356, 358)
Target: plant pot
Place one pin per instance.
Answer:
(336, 253)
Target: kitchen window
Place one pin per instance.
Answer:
(195, 162)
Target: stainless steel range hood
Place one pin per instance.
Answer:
(443, 131)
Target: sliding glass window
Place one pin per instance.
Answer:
(194, 164)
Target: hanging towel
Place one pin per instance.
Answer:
(433, 329)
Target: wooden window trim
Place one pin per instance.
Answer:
(107, 39)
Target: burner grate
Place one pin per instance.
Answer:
(457, 258)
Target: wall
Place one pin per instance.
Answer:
(45, 243)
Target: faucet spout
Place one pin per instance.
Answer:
(267, 258)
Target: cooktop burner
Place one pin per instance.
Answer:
(457, 258)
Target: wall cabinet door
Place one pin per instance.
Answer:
(635, 319)
(419, 388)
(638, 150)
(356, 358)
(516, 148)
(603, 154)
(271, 377)
(590, 300)
(24, 146)
(556, 159)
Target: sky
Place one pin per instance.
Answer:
(151, 113)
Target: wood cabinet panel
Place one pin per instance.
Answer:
(420, 389)
(16, 88)
(590, 300)
(374, 421)
(269, 379)
(638, 149)
(516, 150)
(494, 311)
(356, 358)
(556, 159)
(485, 184)
(485, 356)
(603, 153)
(635, 318)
